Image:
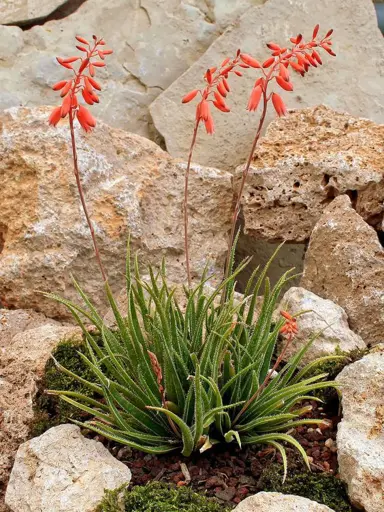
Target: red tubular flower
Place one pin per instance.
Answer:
(85, 118)
(217, 85)
(254, 99)
(250, 61)
(55, 116)
(59, 85)
(279, 105)
(189, 97)
(81, 82)
(66, 105)
(287, 86)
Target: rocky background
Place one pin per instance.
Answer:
(316, 182)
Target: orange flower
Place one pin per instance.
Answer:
(216, 79)
(82, 82)
(254, 99)
(85, 118)
(279, 105)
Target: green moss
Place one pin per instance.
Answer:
(49, 410)
(333, 368)
(157, 497)
(321, 487)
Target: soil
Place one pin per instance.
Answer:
(232, 474)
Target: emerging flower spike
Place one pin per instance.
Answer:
(289, 329)
(80, 83)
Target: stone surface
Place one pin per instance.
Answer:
(154, 42)
(360, 436)
(276, 502)
(26, 341)
(324, 317)
(303, 162)
(289, 256)
(336, 84)
(62, 471)
(21, 11)
(130, 184)
(345, 263)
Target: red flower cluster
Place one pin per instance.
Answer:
(290, 328)
(86, 84)
(217, 85)
(300, 57)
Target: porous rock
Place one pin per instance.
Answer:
(336, 84)
(323, 318)
(345, 263)
(154, 42)
(131, 187)
(276, 502)
(304, 161)
(360, 436)
(26, 342)
(63, 471)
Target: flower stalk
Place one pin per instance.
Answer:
(69, 89)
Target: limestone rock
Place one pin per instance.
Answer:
(26, 342)
(324, 317)
(303, 162)
(21, 11)
(360, 436)
(154, 42)
(276, 502)
(130, 184)
(63, 471)
(345, 263)
(336, 84)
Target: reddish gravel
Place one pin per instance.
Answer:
(228, 473)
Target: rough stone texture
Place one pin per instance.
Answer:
(360, 436)
(325, 317)
(26, 341)
(62, 471)
(345, 263)
(336, 84)
(303, 162)
(130, 185)
(154, 42)
(276, 502)
(21, 11)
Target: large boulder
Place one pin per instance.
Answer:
(345, 263)
(26, 342)
(307, 159)
(131, 186)
(360, 436)
(323, 318)
(62, 471)
(154, 42)
(276, 502)
(22, 11)
(337, 84)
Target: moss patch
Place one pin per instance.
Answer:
(157, 497)
(321, 487)
(50, 411)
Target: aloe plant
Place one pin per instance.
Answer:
(172, 378)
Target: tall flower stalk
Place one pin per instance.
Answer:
(300, 57)
(214, 92)
(275, 70)
(82, 82)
